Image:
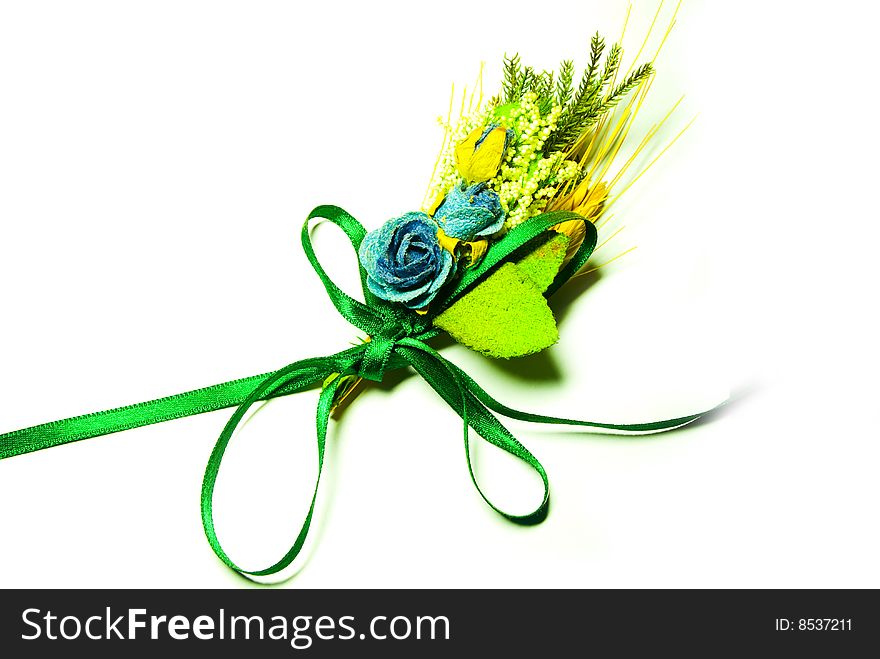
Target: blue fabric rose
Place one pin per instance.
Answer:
(404, 260)
(470, 212)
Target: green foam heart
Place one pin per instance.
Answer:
(506, 315)
(543, 258)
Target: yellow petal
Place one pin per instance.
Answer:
(474, 250)
(580, 193)
(487, 157)
(479, 164)
(583, 200)
(465, 150)
(592, 205)
(570, 201)
(478, 249)
(446, 242)
(562, 203)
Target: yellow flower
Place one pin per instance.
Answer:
(479, 156)
(583, 200)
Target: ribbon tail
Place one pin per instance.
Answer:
(65, 431)
(473, 404)
(198, 401)
(622, 428)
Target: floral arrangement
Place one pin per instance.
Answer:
(521, 187)
(545, 142)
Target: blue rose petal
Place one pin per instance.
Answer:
(404, 260)
(470, 212)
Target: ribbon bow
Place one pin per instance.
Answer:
(398, 338)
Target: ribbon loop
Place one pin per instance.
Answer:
(298, 376)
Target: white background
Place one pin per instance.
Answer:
(157, 160)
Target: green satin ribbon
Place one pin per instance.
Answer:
(398, 340)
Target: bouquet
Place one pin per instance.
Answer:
(518, 197)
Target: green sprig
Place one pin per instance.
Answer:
(565, 84)
(512, 73)
(595, 95)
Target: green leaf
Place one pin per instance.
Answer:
(543, 258)
(505, 315)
